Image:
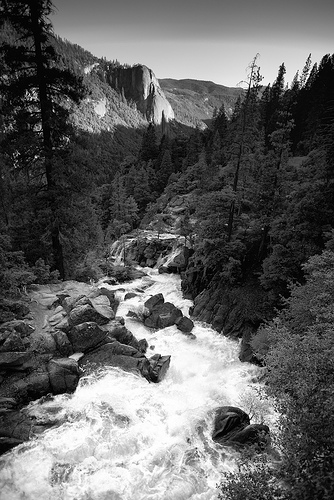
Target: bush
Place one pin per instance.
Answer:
(254, 479)
(43, 274)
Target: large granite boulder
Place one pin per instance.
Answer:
(232, 428)
(110, 294)
(86, 336)
(15, 361)
(119, 355)
(163, 315)
(86, 313)
(124, 336)
(63, 375)
(158, 367)
(68, 302)
(62, 343)
(15, 428)
(184, 324)
(154, 302)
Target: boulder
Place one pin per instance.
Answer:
(184, 324)
(11, 341)
(228, 419)
(232, 428)
(63, 345)
(86, 313)
(19, 326)
(130, 295)
(158, 367)
(102, 305)
(32, 385)
(63, 374)
(14, 360)
(124, 336)
(15, 428)
(86, 336)
(154, 301)
(162, 316)
(113, 301)
(118, 355)
(68, 303)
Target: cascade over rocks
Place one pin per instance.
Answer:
(35, 362)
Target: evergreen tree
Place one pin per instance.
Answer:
(149, 147)
(35, 91)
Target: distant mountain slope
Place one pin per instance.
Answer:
(194, 101)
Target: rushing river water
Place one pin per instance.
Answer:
(119, 437)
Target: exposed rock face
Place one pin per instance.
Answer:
(139, 84)
(236, 311)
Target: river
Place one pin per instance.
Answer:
(119, 437)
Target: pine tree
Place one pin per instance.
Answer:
(244, 120)
(35, 91)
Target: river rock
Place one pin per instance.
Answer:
(15, 429)
(162, 316)
(232, 428)
(14, 360)
(124, 336)
(113, 301)
(158, 367)
(68, 303)
(63, 345)
(86, 313)
(184, 324)
(118, 355)
(154, 301)
(86, 336)
(63, 374)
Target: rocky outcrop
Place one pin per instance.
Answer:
(232, 428)
(237, 311)
(15, 426)
(160, 314)
(140, 85)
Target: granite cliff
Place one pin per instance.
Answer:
(139, 84)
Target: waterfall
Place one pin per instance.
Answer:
(119, 437)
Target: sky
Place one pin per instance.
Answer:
(212, 40)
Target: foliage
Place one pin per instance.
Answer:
(255, 479)
(298, 351)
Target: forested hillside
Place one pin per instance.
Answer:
(80, 167)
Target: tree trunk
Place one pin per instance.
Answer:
(46, 109)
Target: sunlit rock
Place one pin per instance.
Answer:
(85, 313)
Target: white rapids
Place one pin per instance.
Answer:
(119, 437)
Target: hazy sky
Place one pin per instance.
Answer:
(206, 40)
